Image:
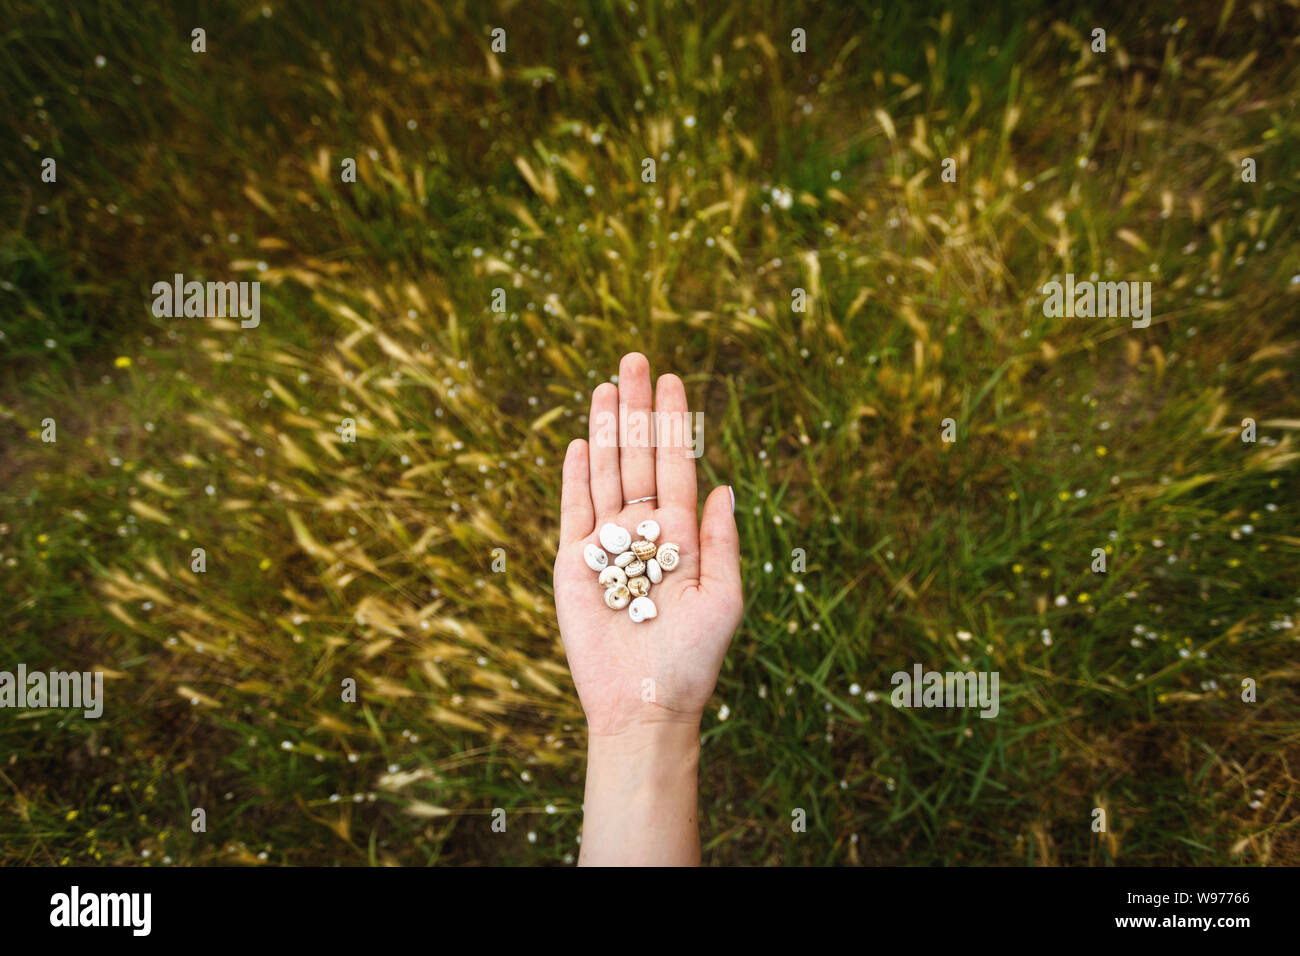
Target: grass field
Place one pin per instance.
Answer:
(776, 170)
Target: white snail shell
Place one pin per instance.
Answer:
(644, 549)
(642, 609)
(612, 577)
(614, 539)
(596, 559)
(634, 568)
(618, 596)
(624, 559)
(648, 529)
(653, 571)
(667, 556)
(639, 586)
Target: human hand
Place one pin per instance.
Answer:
(699, 604)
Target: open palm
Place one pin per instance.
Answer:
(663, 669)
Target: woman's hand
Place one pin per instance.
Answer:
(664, 669)
(644, 686)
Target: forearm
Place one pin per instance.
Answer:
(640, 806)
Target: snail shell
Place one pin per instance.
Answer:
(596, 559)
(642, 609)
(635, 568)
(639, 586)
(648, 529)
(624, 559)
(613, 538)
(612, 576)
(653, 571)
(667, 557)
(618, 596)
(644, 549)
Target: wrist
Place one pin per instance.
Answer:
(651, 743)
(640, 803)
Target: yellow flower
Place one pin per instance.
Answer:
(1017, 568)
(1101, 451)
(122, 361)
(1083, 597)
(264, 564)
(42, 538)
(1013, 496)
(1234, 562)
(72, 815)
(1063, 495)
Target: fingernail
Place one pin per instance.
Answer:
(731, 491)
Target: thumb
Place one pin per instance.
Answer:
(720, 543)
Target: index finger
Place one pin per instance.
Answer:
(676, 446)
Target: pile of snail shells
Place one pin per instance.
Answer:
(637, 566)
